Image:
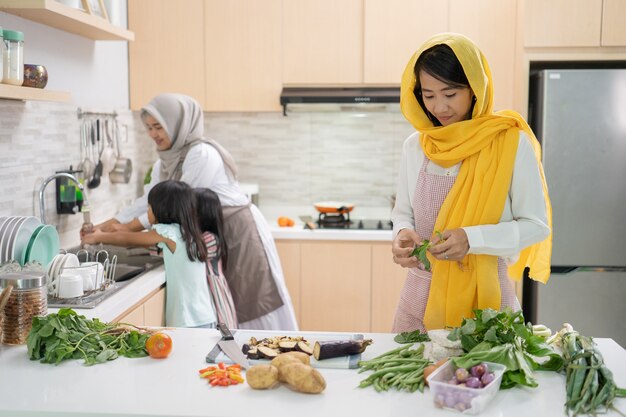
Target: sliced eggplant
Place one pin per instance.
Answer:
(253, 353)
(335, 348)
(245, 348)
(287, 345)
(303, 346)
(267, 352)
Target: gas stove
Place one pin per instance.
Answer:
(343, 221)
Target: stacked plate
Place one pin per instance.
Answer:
(56, 267)
(24, 239)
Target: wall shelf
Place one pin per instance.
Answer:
(14, 92)
(68, 19)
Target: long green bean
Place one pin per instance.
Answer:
(400, 369)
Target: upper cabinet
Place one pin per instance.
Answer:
(393, 30)
(54, 14)
(322, 42)
(480, 20)
(168, 53)
(572, 23)
(613, 23)
(243, 55)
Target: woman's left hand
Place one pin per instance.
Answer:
(453, 247)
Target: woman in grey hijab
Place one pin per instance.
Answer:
(175, 123)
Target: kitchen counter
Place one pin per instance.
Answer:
(298, 232)
(119, 302)
(171, 387)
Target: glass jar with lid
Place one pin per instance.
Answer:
(28, 299)
(13, 57)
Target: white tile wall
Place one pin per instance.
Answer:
(296, 160)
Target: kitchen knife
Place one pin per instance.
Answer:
(230, 347)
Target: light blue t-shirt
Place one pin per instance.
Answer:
(188, 301)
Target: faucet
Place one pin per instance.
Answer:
(45, 183)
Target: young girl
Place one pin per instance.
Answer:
(211, 224)
(172, 213)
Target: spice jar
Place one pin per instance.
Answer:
(27, 300)
(13, 57)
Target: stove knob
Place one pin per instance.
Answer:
(360, 225)
(379, 225)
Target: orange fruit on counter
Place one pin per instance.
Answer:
(285, 222)
(159, 345)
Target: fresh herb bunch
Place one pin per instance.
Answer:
(411, 337)
(590, 387)
(422, 248)
(503, 337)
(67, 335)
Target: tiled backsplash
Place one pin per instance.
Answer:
(296, 160)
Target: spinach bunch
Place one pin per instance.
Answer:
(67, 335)
(503, 337)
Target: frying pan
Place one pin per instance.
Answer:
(333, 207)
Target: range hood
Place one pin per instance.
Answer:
(347, 97)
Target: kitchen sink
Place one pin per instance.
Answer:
(131, 262)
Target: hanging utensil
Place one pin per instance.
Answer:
(108, 156)
(95, 180)
(123, 168)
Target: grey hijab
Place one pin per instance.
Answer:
(182, 118)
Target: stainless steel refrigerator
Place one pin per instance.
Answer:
(579, 116)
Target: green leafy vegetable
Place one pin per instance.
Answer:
(411, 337)
(420, 251)
(502, 337)
(67, 335)
(590, 387)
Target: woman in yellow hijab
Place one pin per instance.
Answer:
(475, 176)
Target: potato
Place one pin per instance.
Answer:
(262, 376)
(303, 378)
(289, 357)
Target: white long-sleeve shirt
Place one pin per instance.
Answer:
(203, 167)
(524, 219)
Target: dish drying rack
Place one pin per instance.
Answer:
(103, 287)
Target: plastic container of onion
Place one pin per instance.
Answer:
(468, 391)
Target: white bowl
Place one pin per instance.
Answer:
(70, 285)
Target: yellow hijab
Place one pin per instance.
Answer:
(486, 145)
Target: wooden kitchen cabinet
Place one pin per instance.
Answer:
(393, 30)
(154, 309)
(335, 286)
(613, 23)
(491, 25)
(134, 316)
(168, 52)
(563, 23)
(289, 252)
(387, 283)
(243, 55)
(150, 311)
(322, 42)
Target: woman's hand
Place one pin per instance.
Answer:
(453, 247)
(403, 245)
(92, 238)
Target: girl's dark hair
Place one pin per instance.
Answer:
(174, 202)
(210, 218)
(440, 62)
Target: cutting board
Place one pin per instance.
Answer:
(243, 336)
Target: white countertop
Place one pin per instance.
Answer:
(298, 232)
(172, 387)
(126, 297)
